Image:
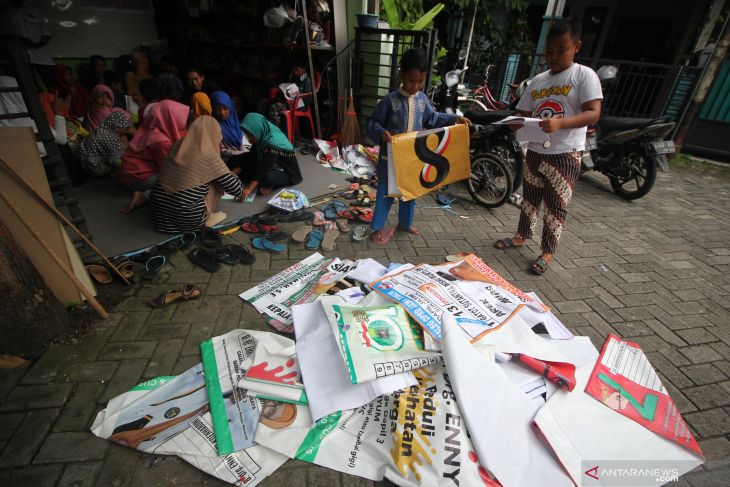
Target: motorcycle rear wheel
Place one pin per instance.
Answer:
(471, 105)
(514, 159)
(490, 182)
(640, 177)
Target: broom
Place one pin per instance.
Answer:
(351, 127)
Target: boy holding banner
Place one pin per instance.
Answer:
(406, 109)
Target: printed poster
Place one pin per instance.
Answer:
(300, 283)
(625, 381)
(413, 437)
(377, 341)
(274, 373)
(425, 161)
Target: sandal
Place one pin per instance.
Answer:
(259, 228)
(188, 292)
(318, 219)
(383, 237)
(241, 253)
(330, 235)
(126, 267)
(343, 225)
(205, 258)
(505, 243)
(152, 267)
(360, 233)
(210, 238)
(358, 215)
(100, 273)
(539, 266)
(315, 240)
(301, 234)
(266, 244)
(224, 256)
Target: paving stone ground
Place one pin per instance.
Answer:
(655, 270)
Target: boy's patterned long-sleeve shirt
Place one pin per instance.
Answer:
(400, 112)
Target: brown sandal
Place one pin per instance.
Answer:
(189, 291)
(100, 273)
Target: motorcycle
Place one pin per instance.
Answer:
(491, 182)
(445, 96)
(628, 150)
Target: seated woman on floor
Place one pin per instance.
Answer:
(100, 106)
(102, 151)
(200, 105)
(192, 180)
(235, 145)
(141, 162)
(275, 164)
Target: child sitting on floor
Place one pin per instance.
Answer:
(406, 109)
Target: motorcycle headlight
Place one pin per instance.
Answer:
(452, 79)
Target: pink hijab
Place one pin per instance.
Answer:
(98, 113)
(165, 122)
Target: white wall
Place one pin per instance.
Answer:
(89, 30)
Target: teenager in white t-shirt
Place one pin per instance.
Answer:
(567, 98)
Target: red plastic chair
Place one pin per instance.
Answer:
(293, 114)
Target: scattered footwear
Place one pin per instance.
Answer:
(330, 211)
(362, 215)
(315, 240)
(100, 273)
(259, 228)
(152, 267)
(295, 216)
(224, 256)
(539, 266)
(300, 235)
(126, 267)
(242, 253)
(210, 238)
(188, 292)
(360, 233)
(261, 243)
(205, 258)
(318, 220)
(505, 243)
(330, 235)
(343, 225)
(382, 236)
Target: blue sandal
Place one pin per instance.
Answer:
(261, 243)
(315, 240)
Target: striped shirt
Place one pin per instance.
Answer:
(185, 210)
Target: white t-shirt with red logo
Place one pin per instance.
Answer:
(561, 95)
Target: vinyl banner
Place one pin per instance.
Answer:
(425, 161)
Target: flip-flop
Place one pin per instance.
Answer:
(295, 216)
(210, 238)
(205, 258)
(318, 219)
(266, 244)
(330, 211)
(301, 234)
(126, 267)
(412, 230)
(505, 243)
(188, 292)
(152, 267)
(358, 215)
(315, 240)
(224, 256)
(259, 228)
(343, 225)
(241, 253)
(100, 273)
(539, 266)
(360, 233)
(330, 235)
(386, 236)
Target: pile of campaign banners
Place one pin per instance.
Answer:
(425, 375)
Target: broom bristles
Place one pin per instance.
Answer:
(351, 127)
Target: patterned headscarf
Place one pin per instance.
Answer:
(105, 142)
(97, 113)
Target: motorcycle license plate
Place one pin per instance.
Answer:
(661, 147)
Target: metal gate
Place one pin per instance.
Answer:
(710, 135)
(375, 64)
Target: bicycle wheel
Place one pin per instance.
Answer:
(490, 183)
(514, 159)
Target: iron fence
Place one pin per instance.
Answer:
(640, 90)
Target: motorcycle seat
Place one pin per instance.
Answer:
(615, 124)
(485, 118)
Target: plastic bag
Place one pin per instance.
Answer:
(276, 17)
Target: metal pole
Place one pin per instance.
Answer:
(468, 43)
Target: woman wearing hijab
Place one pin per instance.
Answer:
(192, 180)
(200, 105)
(141, 162)
(102, 151)
(277, 163)
(234, 143)
(100, 106)
(64, 84)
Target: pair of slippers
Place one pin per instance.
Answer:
(259, 228)
(314, 239)
(182, 242)
(211, 259)
(539, 266)
(188, 292)
(361, 232)
(332, 209)
(263, 243)
(362, 215)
